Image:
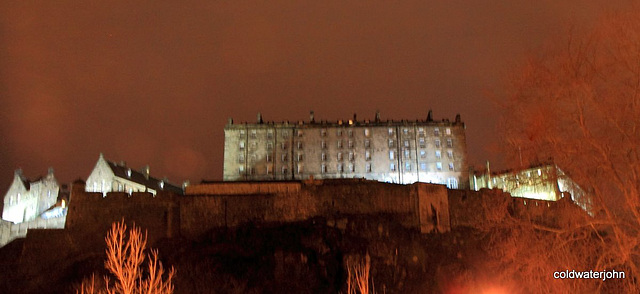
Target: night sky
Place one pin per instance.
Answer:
(154, 82)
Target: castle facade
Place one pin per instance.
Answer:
(402, 152)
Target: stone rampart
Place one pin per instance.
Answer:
(91, 212)
(10, 231)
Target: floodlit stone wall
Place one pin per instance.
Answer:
(10, 231)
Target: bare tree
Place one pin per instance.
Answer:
(125, 257)
(358, 275)
(579, 103)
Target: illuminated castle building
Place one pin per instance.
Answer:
(402, 152)
(26, 200)
(542, 182)
(108, 176)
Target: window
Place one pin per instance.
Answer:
(437, 143)
(241, 169)
(323, 156)
(269, 159)
(351, 167)
(449, 153)
(323, 132)
(452, 183)
(300, 168)
(284, 157)
(351, 156)
(405, 131)
(339, 143)
(406, 143)
(390, 143)
(254, 134)
(323, 145)
(298, 133)
(421, 132)
(423, 166)
(241, 158)
(439, 166)
(285, 134)
(451, 167)
(367, 155)
(366, 132)
(447, 131)
(323, 168)
(367, 143)
(438, 154)
(350, 144)
(243, 133)
(339, 156)
(242, 145)
(350, 132)
(339, 132)
(436, 132)
(284, 145)
(391, 155)
(340, 168)
(422, 143)
(423, 154)
(252, 171)
(253, 158)
(270, 134)
(449, 142)
(269, 145)
(300, 156)
(407, 166)
(392, 167)
(284, 170)
(269, 169)
(407, 154)
(390, 131)
(299, 145)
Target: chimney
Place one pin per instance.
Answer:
(259, 117)
(18, 172)
(354, 118)
(458, 118)
(311, 117)
(230, 121)
(430, 115)
(50, 171)
(377, 115)
(145, 171)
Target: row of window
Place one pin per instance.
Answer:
(351, 156)
(339, 132)
(423, 154)
(351, 167)
(350, 143)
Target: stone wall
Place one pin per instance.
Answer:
(420, 206)
(10, 231)
(90, 212)
(423, 207)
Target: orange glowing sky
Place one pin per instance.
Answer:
(153, 82)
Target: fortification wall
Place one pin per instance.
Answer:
(419, 206)
(243, 188)
(469, 208)
(90, 212)
(10, 231)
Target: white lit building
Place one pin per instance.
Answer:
(108, 176)
(403, 152)
(26, 200)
